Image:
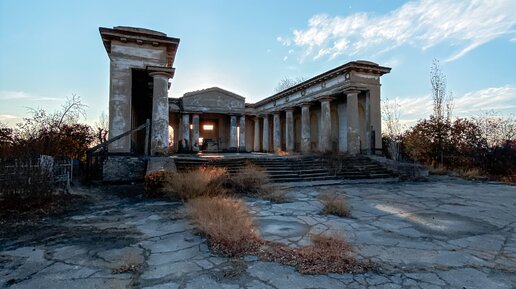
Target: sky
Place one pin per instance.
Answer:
(52, 49)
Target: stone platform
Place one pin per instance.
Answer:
(445, 233)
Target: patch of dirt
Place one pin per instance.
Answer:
(23, 212)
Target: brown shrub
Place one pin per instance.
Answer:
(227, 224)
(335, 204)
(203, 181)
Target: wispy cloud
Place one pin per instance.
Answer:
(494, 98)
(501, 99)
(14, 95)
(4, 117)
(8, 95)
(462, 25)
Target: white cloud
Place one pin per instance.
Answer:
(463, 25)
(285, 58)
(8, 95)
(471, 103)
(8, 117)
(493, 98)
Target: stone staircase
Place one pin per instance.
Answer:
(299, 169)
(361, 167)
(302, 169)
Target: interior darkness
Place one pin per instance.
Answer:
(141, 100)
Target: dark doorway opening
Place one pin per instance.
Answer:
(141, 105)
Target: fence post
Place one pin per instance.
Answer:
(147, 137)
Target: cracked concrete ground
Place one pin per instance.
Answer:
(445, 233)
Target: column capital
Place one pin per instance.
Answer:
(289, 109)
(325, 98)
(352, 91)
(305, 104)
(167, 72)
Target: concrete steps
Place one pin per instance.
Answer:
(298, 169)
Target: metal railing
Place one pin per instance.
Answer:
(96, 155)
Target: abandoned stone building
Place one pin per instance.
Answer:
(338, 110)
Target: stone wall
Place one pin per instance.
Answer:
(123, 169)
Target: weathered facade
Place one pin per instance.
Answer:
(338, 110)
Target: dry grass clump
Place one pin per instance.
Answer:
(335, 204)
(227, 224)
(327, 254)
(472, 173)
(254, 181)
(231, 232)
(203, 181)
(250, 179)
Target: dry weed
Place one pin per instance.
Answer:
(227, 224)
(335, 204)
(203, 181)
(254, 181)
(472, 173)
(327, 254)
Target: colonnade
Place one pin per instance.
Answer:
(352, 135)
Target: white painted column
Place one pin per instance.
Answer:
(277, 132)
(195, 132)
(186, 132)
(233, 133)
(289, 130)
(353, 126)
(159, 131)
(256, 142)
(241, 143)
(265, 138)
(305, 128)
(325, 126)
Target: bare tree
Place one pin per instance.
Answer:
(442, 99)
(496, 129)
(101, 128)
(286, 83)
(391, 117)
(442, 107)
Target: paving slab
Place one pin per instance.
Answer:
(444, 233)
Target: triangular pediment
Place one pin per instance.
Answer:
(213, 100)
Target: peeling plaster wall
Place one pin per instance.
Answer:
(124, 57)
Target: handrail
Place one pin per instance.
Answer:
(146, 125)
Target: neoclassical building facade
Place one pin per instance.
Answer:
(336, 111)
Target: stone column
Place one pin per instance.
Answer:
(277, 132)
(353, 126)
(159, 131)
(367, 141)
(376, 116)
(265, 138)
(185, 140)
(241, 143)
(325, 125)
(289, 130)
(195, 132)
(343, 127)
(256, 143)
(305, 128)
(233, 133)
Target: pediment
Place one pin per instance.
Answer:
(213, 100)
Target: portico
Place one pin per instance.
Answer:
(336, 111)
